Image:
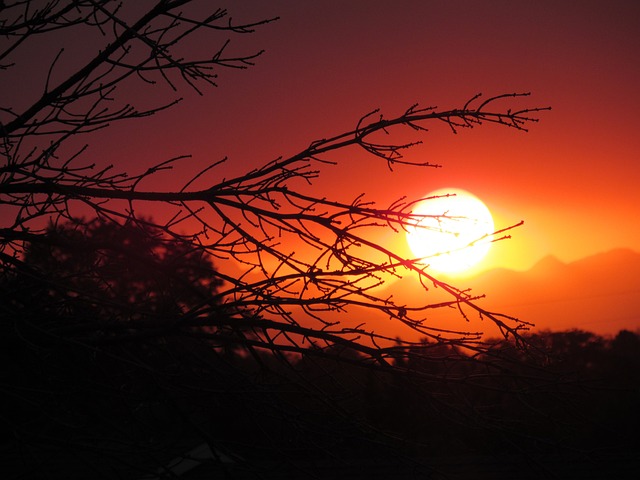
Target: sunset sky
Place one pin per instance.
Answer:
(573, 178)
(200, 277)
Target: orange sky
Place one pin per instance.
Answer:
(572, 179)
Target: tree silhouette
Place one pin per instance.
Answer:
(252, 219)
(98, 372)
(75, 289)
(117, 273)
(167, 389)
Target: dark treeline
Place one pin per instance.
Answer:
(99, 382)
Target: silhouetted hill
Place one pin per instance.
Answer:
(600, 293)
(549, 265)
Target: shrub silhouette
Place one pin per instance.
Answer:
(99, 372)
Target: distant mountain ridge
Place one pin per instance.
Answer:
(600, 293)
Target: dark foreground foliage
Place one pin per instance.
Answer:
(120, 401)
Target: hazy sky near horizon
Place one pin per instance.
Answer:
(573, 178)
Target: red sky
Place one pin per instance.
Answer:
(572, 179)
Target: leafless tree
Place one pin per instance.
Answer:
(251, 218)
(282, 301)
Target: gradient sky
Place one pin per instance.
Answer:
(573, 178)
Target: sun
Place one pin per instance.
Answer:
(455, 233)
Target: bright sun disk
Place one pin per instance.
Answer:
(455, 233)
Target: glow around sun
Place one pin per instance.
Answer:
(455, 232)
